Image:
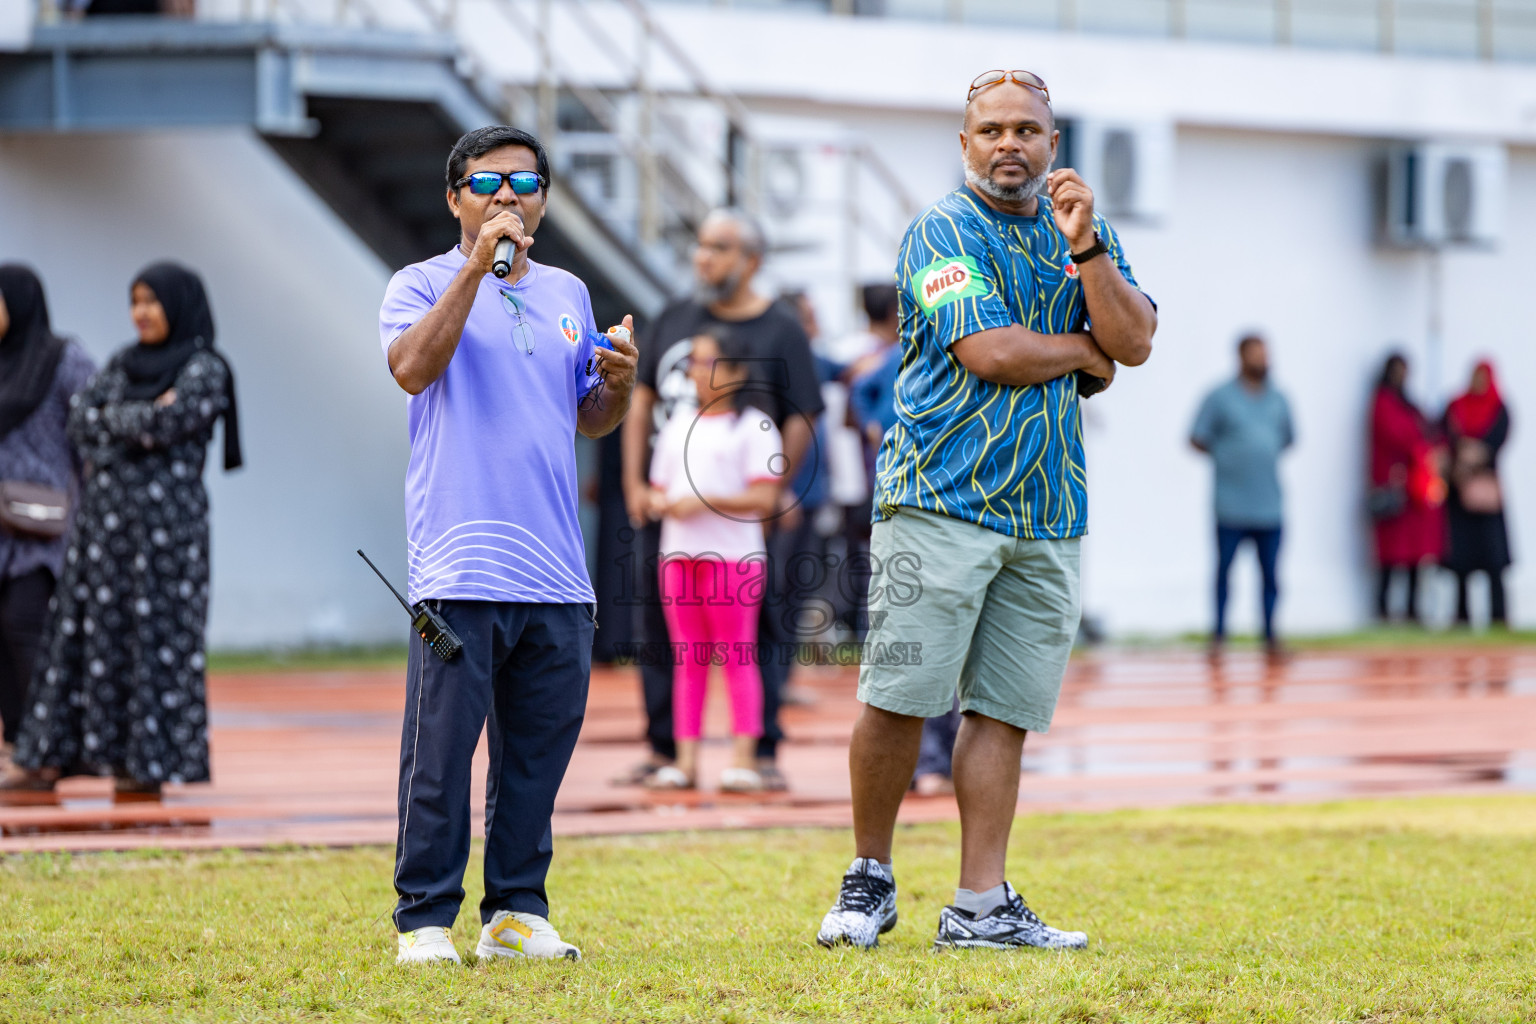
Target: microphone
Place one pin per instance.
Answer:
(504, 250)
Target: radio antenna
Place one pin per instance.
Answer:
(386, 582)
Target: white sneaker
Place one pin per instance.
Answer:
(865, 907)
(1006, 927)
(513, 933)
(426, 945)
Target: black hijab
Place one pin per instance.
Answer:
(152, 369)
(29, 350)
(1394, 361)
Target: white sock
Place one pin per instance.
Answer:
(980, 904)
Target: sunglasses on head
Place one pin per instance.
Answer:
(1028, 79)
(488, 183)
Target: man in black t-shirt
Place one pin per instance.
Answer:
(783, 384)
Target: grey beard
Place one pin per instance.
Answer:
(707, 294)
(1004, 194)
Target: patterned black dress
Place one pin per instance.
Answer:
(120, 688)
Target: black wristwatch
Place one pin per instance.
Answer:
(1098, 248)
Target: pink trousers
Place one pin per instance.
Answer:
(711, 609)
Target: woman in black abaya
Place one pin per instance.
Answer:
(39, 371)
(121, 687)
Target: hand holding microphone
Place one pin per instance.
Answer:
(501, 266)
(501, 239)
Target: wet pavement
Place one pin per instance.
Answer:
(311, 758)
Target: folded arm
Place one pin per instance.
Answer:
(1020, 357)
(187, 410)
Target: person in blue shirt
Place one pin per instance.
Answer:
(1243, 426)
(502, 374)
(872, 378)
(1014, 296)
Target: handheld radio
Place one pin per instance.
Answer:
(594, 395)
(600, 340)
(427, 621)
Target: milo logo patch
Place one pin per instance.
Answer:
(945, 281)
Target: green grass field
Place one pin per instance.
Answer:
(1417, 910)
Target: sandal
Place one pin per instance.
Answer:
(132, 791)
(773, 780)
(669, 777)
(740, 780)
(28, 786)
(638, 775)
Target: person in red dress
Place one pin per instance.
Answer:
(1407, 490)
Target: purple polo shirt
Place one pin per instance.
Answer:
(490, 493)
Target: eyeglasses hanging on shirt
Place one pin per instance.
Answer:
(522, 332)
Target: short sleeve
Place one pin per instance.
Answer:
(762, 448)
(407, 299)
(948, 274)
(864, 395)
(804, 384)
(666, 458)
(671, 325)
(1111, 239)
(1207, 422)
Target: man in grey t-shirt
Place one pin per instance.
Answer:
(1244, 425)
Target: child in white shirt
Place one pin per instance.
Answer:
(715, 477)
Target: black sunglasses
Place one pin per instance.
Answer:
(488, 183)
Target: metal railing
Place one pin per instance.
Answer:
(1485, 29)
(642, 122)
(624, 136)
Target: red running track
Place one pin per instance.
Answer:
(311, 758)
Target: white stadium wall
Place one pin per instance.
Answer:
(1272, 231)
(1268, 224)
(295, 300)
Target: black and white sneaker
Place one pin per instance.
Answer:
(865, 907)
(1006, 927)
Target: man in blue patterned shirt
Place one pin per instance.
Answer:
(1016, 300)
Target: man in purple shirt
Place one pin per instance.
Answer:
(501, 374)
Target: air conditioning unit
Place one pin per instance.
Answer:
(1444, 193)
(1128, 164)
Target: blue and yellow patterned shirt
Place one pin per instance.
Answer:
(1007, 458)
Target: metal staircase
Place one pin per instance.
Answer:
(363, 99)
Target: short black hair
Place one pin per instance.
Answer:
(493, 136)
(733, 349)
(879, 302)
(1251, 338)
(730, 343)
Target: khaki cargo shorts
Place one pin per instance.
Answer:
(995, 617)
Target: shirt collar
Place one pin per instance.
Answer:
(456, 255)
(1009, 219)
